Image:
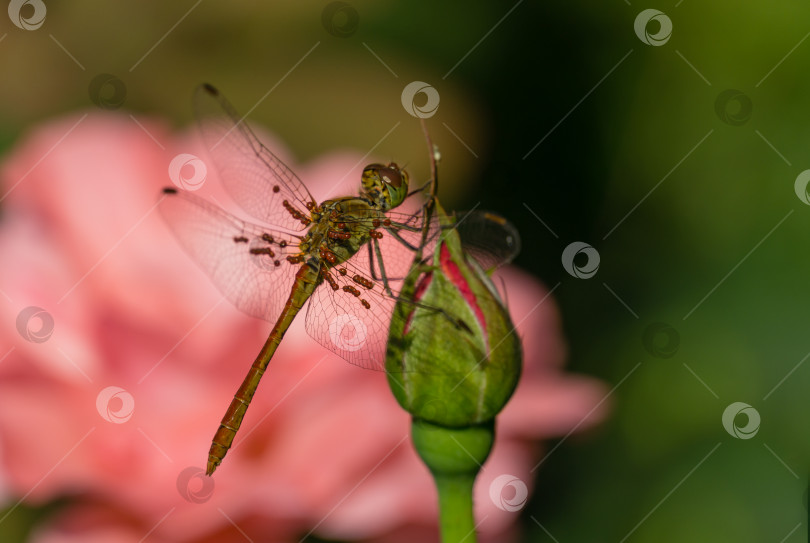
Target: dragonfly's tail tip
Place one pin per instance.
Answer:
(211, 467)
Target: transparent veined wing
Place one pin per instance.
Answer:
(351, 319)
(254, 177)
(246, 262)
(489, 238)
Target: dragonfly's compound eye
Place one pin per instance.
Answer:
(386, 186)
(371, 173)
(391, 175)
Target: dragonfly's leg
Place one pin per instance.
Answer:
(420, 189)
(371, 258)
(403, 226)
(399, 238)
(374, 251)
(424, 269)
(393, 227)
(384, 277)
(453, 320)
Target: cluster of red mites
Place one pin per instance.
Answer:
(297, 215)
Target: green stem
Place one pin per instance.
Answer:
(455, 508)
(454, 457)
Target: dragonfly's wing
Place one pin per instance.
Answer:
(489, 238)
(221, 244)
(341, 321)
(254, 177)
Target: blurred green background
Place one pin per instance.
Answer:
(686, 192)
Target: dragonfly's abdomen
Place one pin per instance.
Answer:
(306, 280)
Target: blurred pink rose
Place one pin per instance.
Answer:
(324, 447)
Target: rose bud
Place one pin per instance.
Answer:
(453, 356)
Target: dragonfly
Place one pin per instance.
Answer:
(342, 256)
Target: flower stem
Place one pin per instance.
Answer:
(454, 457)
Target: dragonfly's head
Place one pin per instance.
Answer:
(386, 186)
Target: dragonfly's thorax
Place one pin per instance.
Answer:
(339, 228)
